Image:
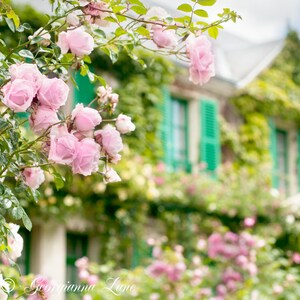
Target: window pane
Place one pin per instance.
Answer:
(282, 156)
(179, 134)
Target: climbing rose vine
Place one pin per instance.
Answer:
(36, 76)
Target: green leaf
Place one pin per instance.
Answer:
(12, 15)
(183, 20)
(59, 180)
(118, 8)
(213, 32)
(185, 7)
(26, 221)
(121, 18)
(100, 32)
(17, 212)
(136, 2)
(26, 53)
(143, 31)
(10, 24)
(120, 31)
(206, 2)
(201, 13)
(140, 10)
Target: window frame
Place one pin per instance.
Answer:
(176, 164)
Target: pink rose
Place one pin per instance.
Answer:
(82, 263)
(53, 93)
(87, 157)
(158, 268)
(124, 124)
(92, 279)
(34, 177)
(109, 139)
(62, 145)
(296, 258)
(83, 275)
(164, 38)
(249, 221)
(42, 118)
(85, 118)
(18, 94)
(111, 176)
(15, 242)
(87, 297)
(72, 19)
(202, 66)
(42, 286)
(77, 41)
(95, 13)
(28, 72)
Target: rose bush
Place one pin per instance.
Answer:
(35, 78)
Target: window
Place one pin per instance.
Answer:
(76, 248)
(179, 126)
(282, 160)
(24, 260)
(174, 133)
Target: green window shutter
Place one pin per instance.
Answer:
(274, 154)
(210, 151)
(166, 128)
(298, 160)
(85, 90)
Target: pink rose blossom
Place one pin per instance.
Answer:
(42, 118)
(63, 145)
(53, 93)
(77, 41)
(231, 275)
(158, 268)
(124, 124)
(92, 279)
(83, 275)
(42, 286)
(82, 263)
(15, 243)
(28, 72)
(164, 38)
(115, 159)
(109, 139)
(221, 290)
(44, 34)
(87, 297)
(175, 272)
(296, 258)
(18, 94)
(249, 221)
(111, 176)
(87, 157)
(95, 13)
(85, 118)
(72, 19)
(202, 66)
(34, 177)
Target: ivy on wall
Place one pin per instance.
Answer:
(274, 93)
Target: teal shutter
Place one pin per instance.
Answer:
(298, 160)
(166, 128)
(274, 154)
(210, 151)
(85, 91)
